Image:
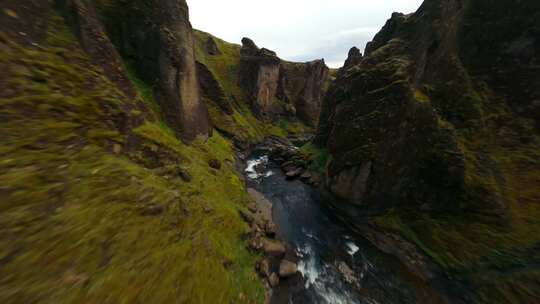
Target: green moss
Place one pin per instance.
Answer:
(81, 224)
(420, 96)
(319, 157)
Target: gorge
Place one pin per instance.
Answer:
(143, 160)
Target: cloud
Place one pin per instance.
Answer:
(298, 30)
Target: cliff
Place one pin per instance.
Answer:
(157, 39)
(434, 134)
(277, 88)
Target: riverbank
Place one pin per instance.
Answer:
(267, 175)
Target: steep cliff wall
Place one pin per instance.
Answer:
(302, 85)
(278, 88)
(435, 131)
(259, 76)
(157, 36)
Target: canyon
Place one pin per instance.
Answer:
(137, 154)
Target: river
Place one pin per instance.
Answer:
(336, 266)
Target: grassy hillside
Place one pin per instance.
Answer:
(93, 207)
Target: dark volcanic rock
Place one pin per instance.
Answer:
(302, 86)
(427, 133)
(354, 58)
(158, 36)
(179, 94)
(212, 90)
(211, 47)
(274, 248)
(214, 164)
(273, 280)
(184, 175)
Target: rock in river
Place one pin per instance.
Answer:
(287, 269)
(273, 247)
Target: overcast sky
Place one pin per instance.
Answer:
(298, 30)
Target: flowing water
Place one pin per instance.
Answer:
(335, 265)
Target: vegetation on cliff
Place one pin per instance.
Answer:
(101, 202)
(435, 131)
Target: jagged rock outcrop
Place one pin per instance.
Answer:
(211, 47)
(354, 58)
(212, 90)
(280, 89)
(159, 37)
(418, 84)
(431, 123)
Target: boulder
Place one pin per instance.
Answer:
(306, 176)
(347, 273)
(287, 269)
(294, 173)
(256, 244)
(273, 247)
(184, 175)
(273, 280)
(264, 267)
(214, 164)
(252, 207)
(270, 229)
(161, 42)
(152, 210)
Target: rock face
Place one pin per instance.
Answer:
(158, 36)
(302, 86)
(212, 89)
(278, 88)
(431, 123)
(354, 58)
(211, 47)
(392, 125)
(84, 21)
(179, 93)
(259, 75)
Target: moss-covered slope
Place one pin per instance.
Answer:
(93, 206)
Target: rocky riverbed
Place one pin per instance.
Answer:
(310, 255)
